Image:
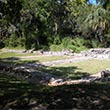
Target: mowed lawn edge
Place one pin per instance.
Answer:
(82, 68)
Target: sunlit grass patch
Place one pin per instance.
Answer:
(46, 58)
(91, 66)
(13, 54)
(78, 69)
(30, 56)
(7, 54)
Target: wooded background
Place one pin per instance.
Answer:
(54, 24)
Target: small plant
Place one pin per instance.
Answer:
(56, 47)
(57, 40)
(76, 44)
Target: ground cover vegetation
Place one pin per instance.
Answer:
(16, 57)
(54, 24)
(77, 70)
(72, 70)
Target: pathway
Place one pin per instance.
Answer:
(70, 60)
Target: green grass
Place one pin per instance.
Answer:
(13, 54)
(16, 94)
(69, 70)
(34, 57)
(19, 94)
(90, 66)
(79, 69)
(15, 48)
(46, 58)
(7, 54)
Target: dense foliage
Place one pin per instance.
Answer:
(54, 24)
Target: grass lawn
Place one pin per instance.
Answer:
(19, 94)
(16, 94)
(79, 69)
(30, 57)
(69, 70)
(46, 58)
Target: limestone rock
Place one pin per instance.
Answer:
(105, 73)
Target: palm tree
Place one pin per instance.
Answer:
(97, 21)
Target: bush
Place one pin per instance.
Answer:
(11, 41)
(79, 44)
(56, 47)
(21, 41)
(1, 44)
(14, 41)
(6, 42)
(94, 43)
(57, 40)
(67, 42)
(76, 44)
(42, 47)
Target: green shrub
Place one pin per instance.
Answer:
(67, 41)
(6, 42)
(56, 47)
(76, 44)
(21, 41)
(57, 40)
(13, 42)
(79, 44)
(94, 43)
(42, 47)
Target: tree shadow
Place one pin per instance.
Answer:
(11, 59)
(13, 92)
(17, 61)
(16, 94)
(81, 96)
(20, 94)
(64, 72)
(72, 72)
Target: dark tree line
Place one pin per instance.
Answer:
(54, 24)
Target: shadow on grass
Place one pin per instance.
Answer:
(16, 94)
(19, 94)
(66, 72)
(16, 61)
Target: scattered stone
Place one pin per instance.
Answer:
(96, 102)
(54, 81)
(105, 74)
(29, 72)
(100, 53)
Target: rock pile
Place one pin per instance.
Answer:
(50, 53)
(105, 75)
(59, 53)
(68, 52)
(97, 53)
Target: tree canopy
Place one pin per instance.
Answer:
(44, 24)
